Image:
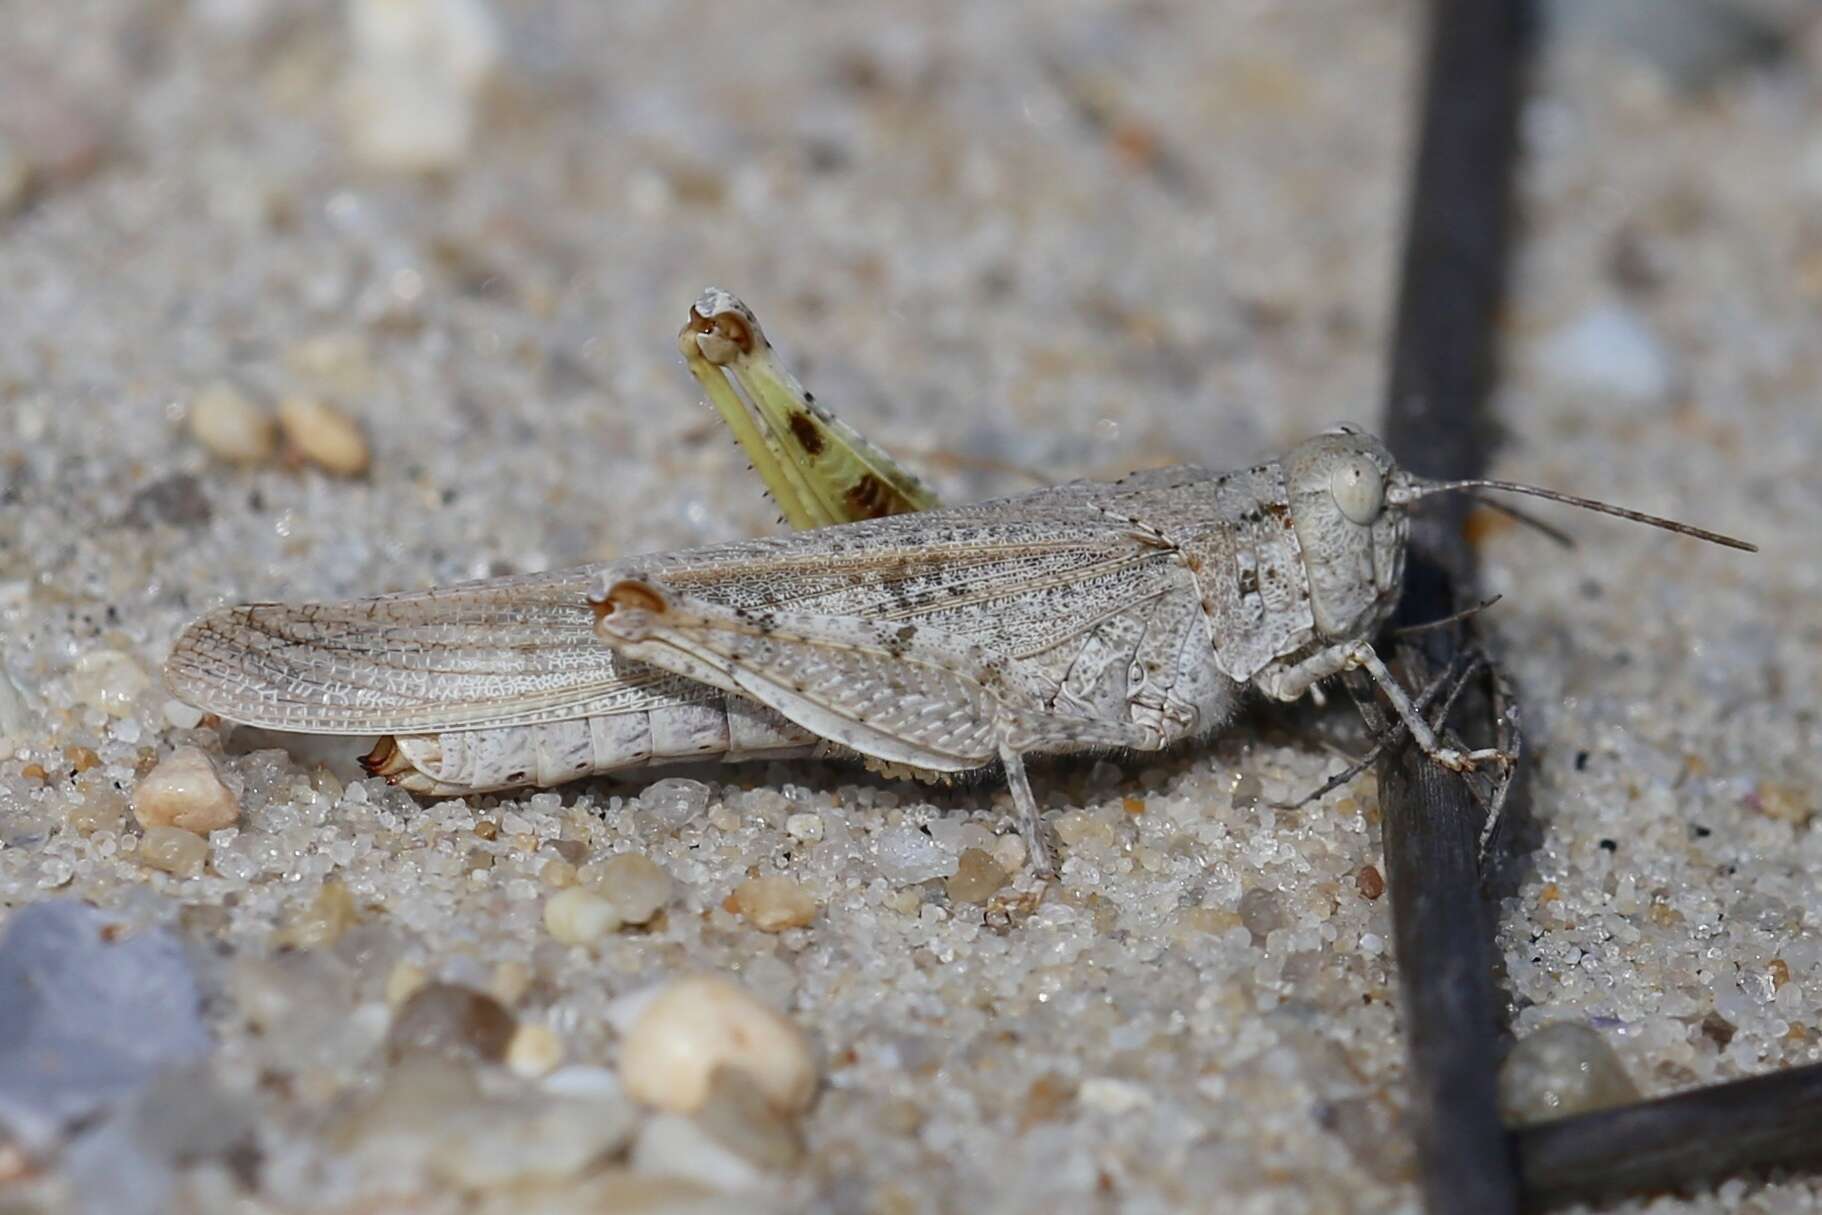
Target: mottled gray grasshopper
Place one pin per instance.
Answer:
(1093, 616)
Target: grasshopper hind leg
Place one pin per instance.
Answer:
(1025, 804)
(917, 697)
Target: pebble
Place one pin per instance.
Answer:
(773, 903)
(337, 364)
(180, 716)
(906, 856)
(805, 827)
(1612, 351)
(101, 809)
(534, 1050)
(402, 982)
(677, 1035)
(632, 884)
(616, 1190)
(185, 790)
(1010, 852)
(500, 1141)
(231, 427)
(674, 801)
(739, 1118)
(978, 876)
(671, 1145)
(174, 850)
(510, 980)
(451, 1021)
(1561, 1069)
(323, 435)
(109, 680)
(321, 922)
(93, 1013)
(579, 916)
(410, 100)
(429, 1113)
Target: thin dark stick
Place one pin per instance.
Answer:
(1441, 366)
(1702, 1135)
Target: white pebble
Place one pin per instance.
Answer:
(186, 791)
(410, 101)
(503, 1141)
(1564, 1068)
(578, 916)
(633, 885)
(673, 1146)
(231, 427)
(181, 716)
(677, 1035)
(1610, 350)
(908, 856)
(1108, 1095)
(109, 680)
(324, 435)
(173, 850)
(805, 827)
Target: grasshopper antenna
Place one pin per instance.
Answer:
(1405, 495)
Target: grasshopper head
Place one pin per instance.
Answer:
(1353, 543)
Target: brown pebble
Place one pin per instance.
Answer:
(185, 790)
(1370, 882)
(573, 851)
(34, 771)
(1046, 1100)
(323, 435)
(100, 810)
(1134, 806)
(174, 850)
(81, 759)
(1786, 803)
(773, 904)
(977, 878)
(487, 829)
(321, 923)
(452, 1021)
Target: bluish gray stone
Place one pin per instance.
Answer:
(89, 1012)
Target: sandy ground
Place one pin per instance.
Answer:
(1056, 240)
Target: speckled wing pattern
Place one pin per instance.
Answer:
(1031, 579)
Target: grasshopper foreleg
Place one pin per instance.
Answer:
(1361, 656)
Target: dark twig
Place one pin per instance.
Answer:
(1702, 1135)
(1441, 363)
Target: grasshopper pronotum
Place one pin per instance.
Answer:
(1131, 614)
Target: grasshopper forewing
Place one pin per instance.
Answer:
(1092, 616)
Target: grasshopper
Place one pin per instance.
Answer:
(928, 641)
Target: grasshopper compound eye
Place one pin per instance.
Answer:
(1359, 489)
